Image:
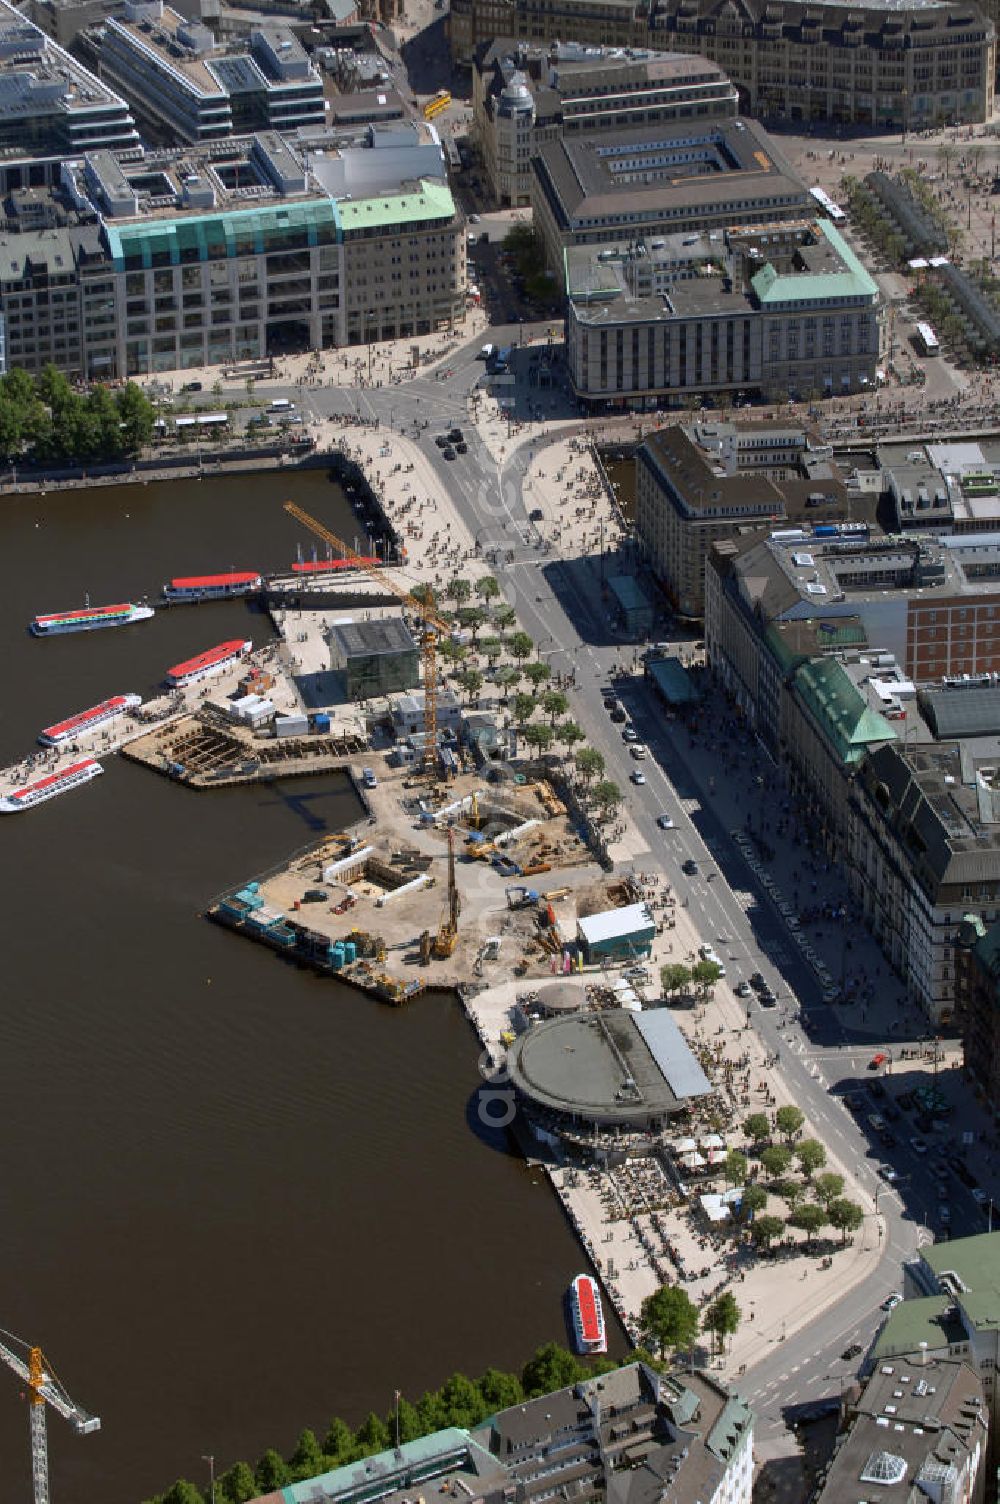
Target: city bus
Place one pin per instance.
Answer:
(928, 340)
(441, 101)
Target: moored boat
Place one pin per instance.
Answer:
(332, 566)
(51, 786)
(211, 587)
(212, 661)
(88, 720)
(89, 619)
(588, 1315)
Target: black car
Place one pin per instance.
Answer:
(448, 452)
(461, 446)
(456, 435)
(876, 1088)
(853, 1351)
(618, 714)
(690, 867)
(757, 981)
(768, 1000)
(441, 441)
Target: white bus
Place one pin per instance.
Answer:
(826, 203)
(928, 340)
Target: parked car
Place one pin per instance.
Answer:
(368, 778)
(892, 1301)
(877, 1061)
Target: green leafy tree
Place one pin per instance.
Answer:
(237, 1485)
(183, 1492)
(736, 1167)
(753, 1200)
(136, 416)
(811, 1156)
(789, 1190)
(338, 1443)
(451, 651)
(828, 1187)
(491, 648)
(504, 617)
(409, 1421)
(674, 977)
(765, 1230)
(471, 619)
(722, 1318)
(570, 732)
(458, 590)
(373, 1434)
(272, 1472)
(846, 1216)
(307, 1459)
(789, 1121)
(500, 1390)
(607, 795)
(432, 1411)
(471, 681)
(589, 763)
(810, 1217)
(776, 1160)
(551, 1367)
(757, 1128)
(487, 588)
(522, 707)
(705, 974)
(539, 736)
(669, 1318)
(463, 1402)
(537, 673)
(521, 646)
(555, 704)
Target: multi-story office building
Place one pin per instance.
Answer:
(694, 487)
(626, 186)
(775, 309)
(813, 636)
(629, 1437)
(236, 251)
(920, 1426)
(50, 105)
(525, 96)
(906, 66)
(184, 87)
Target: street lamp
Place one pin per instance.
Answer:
(209, 1457)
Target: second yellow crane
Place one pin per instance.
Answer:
(431, 625)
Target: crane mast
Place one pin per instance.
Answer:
(43, 1389)
(431, 625)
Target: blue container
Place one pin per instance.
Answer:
(825, 530)
(350, 952)
(322, 722)
(337, 956)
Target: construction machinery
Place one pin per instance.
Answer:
(431, 625)
(43, 1389)
(447, 935)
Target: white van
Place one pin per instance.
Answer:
(280, 405)
(638, 751)
(486, 352)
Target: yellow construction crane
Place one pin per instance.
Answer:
(447, 935)
(431, 624)
(43, 1389)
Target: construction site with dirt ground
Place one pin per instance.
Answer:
(491, 881)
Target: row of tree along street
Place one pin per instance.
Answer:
(462, 1402)
(44, 420)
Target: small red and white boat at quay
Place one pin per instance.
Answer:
(588, 1315)
(51, 786)
(212, 661)
(88, 720)
(211, 587)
